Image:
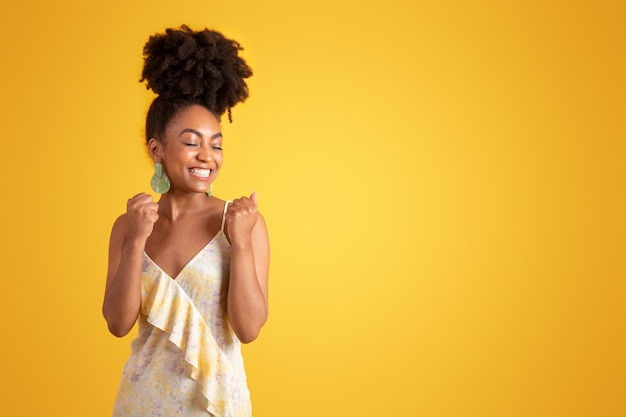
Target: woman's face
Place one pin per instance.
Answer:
(191, 151)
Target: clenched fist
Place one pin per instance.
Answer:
(241, 216)
(142, 213)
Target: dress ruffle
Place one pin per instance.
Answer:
(168, 308)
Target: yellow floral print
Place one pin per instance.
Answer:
(186, 360)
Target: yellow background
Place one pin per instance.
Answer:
(444, 184)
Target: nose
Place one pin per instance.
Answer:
(205, 154)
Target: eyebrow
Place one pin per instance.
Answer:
(197, 133)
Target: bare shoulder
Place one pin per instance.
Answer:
(215, 204)
(119, 230)
(121, 223)
(260, 228)
(218, 202)
(260, 221)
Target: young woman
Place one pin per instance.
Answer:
(191, 269)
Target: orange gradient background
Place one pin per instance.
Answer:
(444, 184)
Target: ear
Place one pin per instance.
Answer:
(155, 149)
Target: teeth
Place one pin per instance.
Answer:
(204, 173)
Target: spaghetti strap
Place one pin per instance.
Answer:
(224, 214)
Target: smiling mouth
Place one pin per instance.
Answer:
(200, 172)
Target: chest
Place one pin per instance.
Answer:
(173, 246)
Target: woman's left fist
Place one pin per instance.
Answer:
(241, 216)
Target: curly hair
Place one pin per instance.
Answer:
(185, 67)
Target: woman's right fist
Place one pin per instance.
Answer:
(142, 213)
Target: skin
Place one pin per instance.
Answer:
(174, 229)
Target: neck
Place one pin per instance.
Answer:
(174, 205)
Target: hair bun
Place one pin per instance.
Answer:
(196, 66)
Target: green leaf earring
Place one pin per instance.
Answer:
(159, 182)
(210, 192)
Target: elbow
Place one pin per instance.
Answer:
(247, 325)
(248, 333)
(248, 336)
(117, 326)
(118, 330)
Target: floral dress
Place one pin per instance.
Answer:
(186, 359)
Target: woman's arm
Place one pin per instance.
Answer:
(122, 296)
(247, 303)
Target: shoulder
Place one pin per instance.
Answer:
(218, 203)
(259, 231)
(121, 221)
(260, 220)
(120, 227)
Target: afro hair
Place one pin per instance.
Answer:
(202, 67)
